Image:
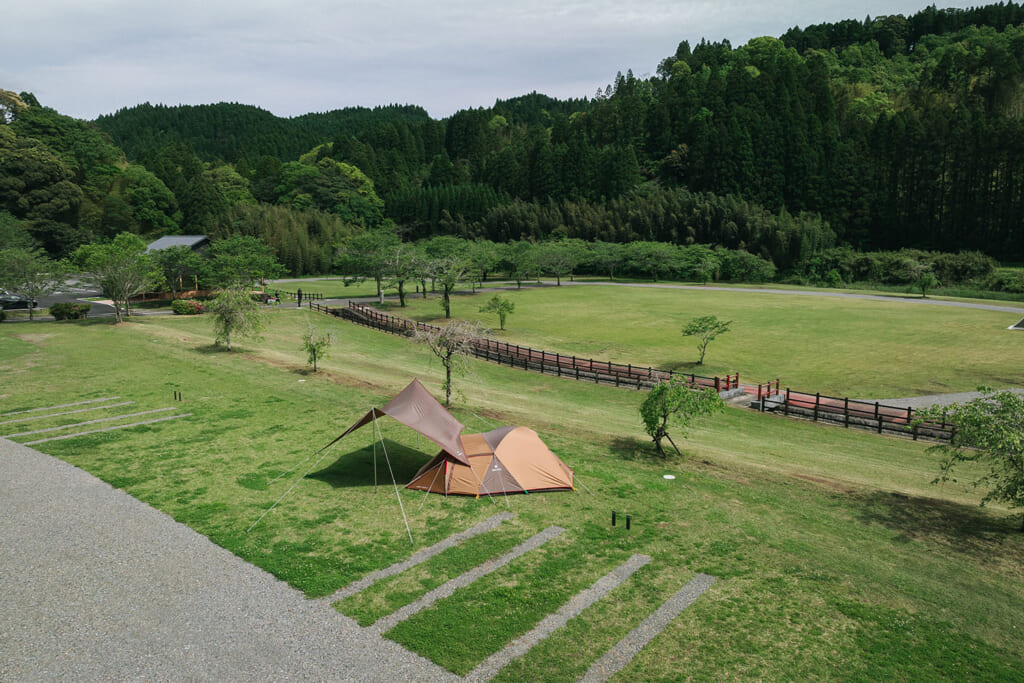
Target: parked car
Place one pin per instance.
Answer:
(8, 300)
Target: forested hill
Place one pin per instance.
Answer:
(231, 131)
(881, 133)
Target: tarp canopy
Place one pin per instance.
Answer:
(417, 409)
(503, 460)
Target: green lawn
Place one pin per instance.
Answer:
(836, 556)
(841, 347)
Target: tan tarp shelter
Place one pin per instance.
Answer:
(503, 460)
(416, 408)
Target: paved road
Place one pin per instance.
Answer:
(96, 585)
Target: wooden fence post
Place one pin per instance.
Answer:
(786, 404)
(817, 402)
(846, 412)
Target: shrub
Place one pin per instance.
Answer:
(186, 307)
(69, 310)
(3, 315)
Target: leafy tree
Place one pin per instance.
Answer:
(705, 328)
(316, 342)
(242, 260)
(925, 282)
(525, 266)
(989, 430)
(559, 258)
(675, 403)
(500, 306)
(366, 255)
(182, 267)
(405, 263)
(452, 344)
(235, 312)
(122, 269)
(31, 274)
(447, 272)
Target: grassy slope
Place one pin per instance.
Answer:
(842, 347)
(836, 557)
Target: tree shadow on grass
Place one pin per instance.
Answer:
(964, 528)
(208, 349)
(356, 468)
(634, 449)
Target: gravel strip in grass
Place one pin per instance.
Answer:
(579, 602)
(69, 412)
(62, 405)
(466, 579)
(87, 422)
(420, 556)
(108, 429)
(626, 649)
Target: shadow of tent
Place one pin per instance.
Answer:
(356, 467)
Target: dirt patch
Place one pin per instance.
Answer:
(33, 338)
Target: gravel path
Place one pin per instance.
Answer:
(918, 402)
(99, 586)
(623, 653)
(420, 556)
(390, 621)
(549, 624)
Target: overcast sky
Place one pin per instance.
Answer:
(91, 57)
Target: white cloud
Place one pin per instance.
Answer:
(86, 59)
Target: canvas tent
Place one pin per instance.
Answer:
(503, 460)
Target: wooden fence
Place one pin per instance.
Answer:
(536, 360)
(849, 412)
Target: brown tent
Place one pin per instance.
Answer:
(503, 460)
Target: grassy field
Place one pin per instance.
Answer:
(836, 556)
(842, 347)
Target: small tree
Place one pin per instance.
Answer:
(235, 312)
(926, 282)
(452, 344)
(447, 272)
(122, 269)
(989, 429)
(674, 401)
(705, 328)
(501, 306)
(316, 342)
(30, 274)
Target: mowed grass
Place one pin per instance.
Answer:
(836, 556)
(841, 347)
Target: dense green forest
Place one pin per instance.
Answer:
(878, 134)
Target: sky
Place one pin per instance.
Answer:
(90, 58)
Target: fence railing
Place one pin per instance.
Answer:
(306, 296)
(820, 408)
(537, 360)
(850, 412)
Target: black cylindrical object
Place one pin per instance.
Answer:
(629, 518)
(613, 517)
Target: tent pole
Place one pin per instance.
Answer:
(397, 495)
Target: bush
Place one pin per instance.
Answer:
(69, 311)
(3, 315)
(186, 307)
